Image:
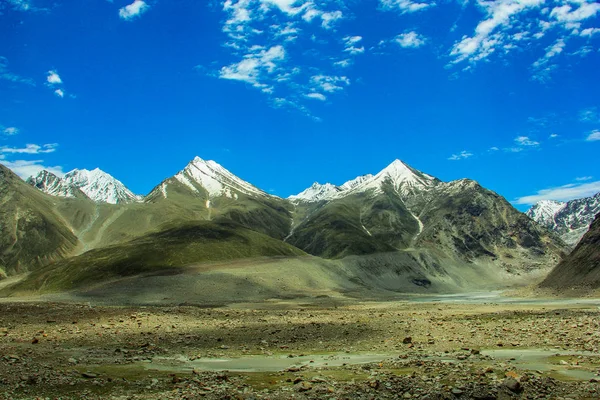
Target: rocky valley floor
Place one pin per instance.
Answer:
(290, 350)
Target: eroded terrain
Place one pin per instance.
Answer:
(284, 350)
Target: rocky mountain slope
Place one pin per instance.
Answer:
(581, 268)
(51, 184)
(415, 228)
(570, 220)
(403, 209)
(32, 233)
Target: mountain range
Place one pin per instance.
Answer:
(400, 223)
(570, 220)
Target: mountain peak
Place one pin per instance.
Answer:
(100, 186)
(51, 184)
(317, 192)
(215, 179)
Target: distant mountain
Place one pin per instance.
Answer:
(403, 209)
(207, 178)
(581, 268)
(51, 184)
(100, 186)
(569, 220)
(420, 222)
(219, 195)
(96, 185)
(405, 181)
(32, 233)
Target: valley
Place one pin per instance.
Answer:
(391, 285)
(304, 348)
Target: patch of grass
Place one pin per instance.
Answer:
(169, 249)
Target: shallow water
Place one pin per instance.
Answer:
(263, 363)
(496, 296)
(545, 361)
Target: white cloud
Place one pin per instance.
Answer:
(584, 178)
(30, 149)
(553, 135)
(53, 78)
(343, 63)
(562, 193)
(21, 5)
(133, 10)
(316, 96)
(27, 168)
(593, 136)
(60, 93)
(410, 40)
(566, 13)
(9, 130)
(329, 83)
(329, 18)
(525, 141)
(255, 67)
(541, 70)
(460, 156)
(488, 33)
(589, 32)
(262, 36)
(494, 148)
(405, 6)
(351, 43)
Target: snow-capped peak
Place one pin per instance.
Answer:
(544, 211)
(100, 186)
(51, 184)
(404, 179)
(215, 179)
(351, 184)
(317, 192)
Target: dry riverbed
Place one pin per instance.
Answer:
(281, 351)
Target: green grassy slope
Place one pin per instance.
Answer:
(175, 247)
(32, 234)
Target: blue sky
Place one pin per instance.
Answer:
(284, 93)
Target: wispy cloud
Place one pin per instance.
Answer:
(352, 45)
(584, 178)
(460, 156)
(553, 136)
(593, 136)
(30, 149)
(511, 25)
(562, 193)
(133, 10)
(267, 42)
(9, 130)
(405, 6)
(589, 115)
(7, 75)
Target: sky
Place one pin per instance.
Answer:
(284, 93)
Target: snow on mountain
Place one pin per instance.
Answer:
(317, 192)
(51, 184)
(405, 180)
(351, 184)
(569, 220)
(100, 186)
(215, 179)
(544, 211)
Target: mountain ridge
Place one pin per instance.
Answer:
(570, 220)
